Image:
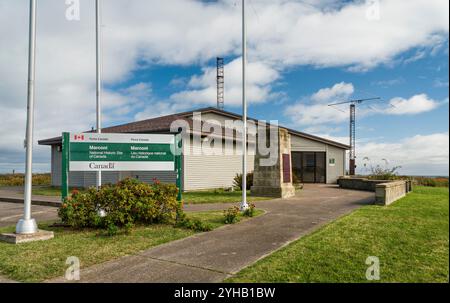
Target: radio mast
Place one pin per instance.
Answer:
(220, 83)
(353, 104)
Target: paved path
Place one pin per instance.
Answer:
(15, 195)
(10, 213)
(213, 256)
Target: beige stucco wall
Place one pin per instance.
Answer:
(334, 172)
(300, 144)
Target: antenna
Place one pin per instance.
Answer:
(353, 104)
(220, 83)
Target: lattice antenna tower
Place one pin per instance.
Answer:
(220, 83)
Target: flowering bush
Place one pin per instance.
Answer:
(231, 215)
(121, 205)
(250, 211)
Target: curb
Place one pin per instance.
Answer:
(34, 202)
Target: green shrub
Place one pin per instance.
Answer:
(112, 230)
(231, 215)
(194, 224)
(379, 172)
(237, 182)
(79, 212)
(122, 205)
(250, 211)
(184, 221)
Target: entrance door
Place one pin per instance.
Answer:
(321, 168)
(310, 167)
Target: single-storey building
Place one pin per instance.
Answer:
(314, 159)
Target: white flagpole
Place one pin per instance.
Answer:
(244, 204)
(98, 39)
(27, 225)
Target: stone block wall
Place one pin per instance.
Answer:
(388, 193)
(272, 181)
(360, 183)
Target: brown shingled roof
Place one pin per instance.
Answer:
(162, 125)
(155, 125)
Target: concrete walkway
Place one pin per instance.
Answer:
(15, 195)
(213, 256)
(10, 213)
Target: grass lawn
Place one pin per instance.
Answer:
(410, 237)
(198, 197)
(218, 196)
(216, 218)
(51, 191)
(39, 261)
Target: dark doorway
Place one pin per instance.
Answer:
(309, 167)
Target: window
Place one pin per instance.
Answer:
(332, 162)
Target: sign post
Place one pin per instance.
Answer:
(65, 166)
(98, 53)
(179, 169)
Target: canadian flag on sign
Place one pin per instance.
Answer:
(79, 137)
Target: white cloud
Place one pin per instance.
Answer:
(412, 106)
(389, 83)
(420, 54)
(440, 83)
(416, 155)
(315, 114)
(314, 111)
(202, 88)
(139, 33)
(293, 33)
(338, 93)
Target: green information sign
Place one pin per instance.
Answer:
(120, 152)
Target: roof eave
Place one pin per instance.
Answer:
(58, 141)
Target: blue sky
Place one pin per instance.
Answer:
(428, 75)
(159, 58)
